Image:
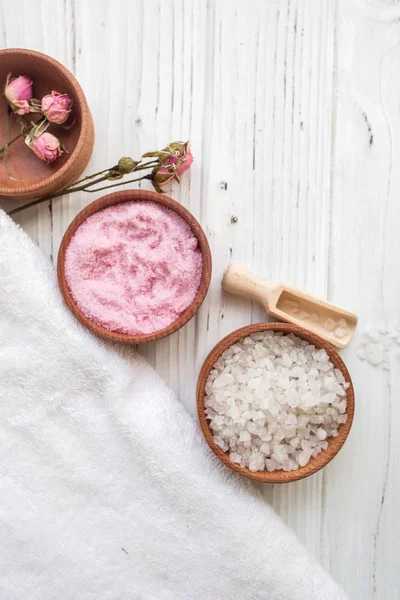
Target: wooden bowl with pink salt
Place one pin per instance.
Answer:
(134, 266)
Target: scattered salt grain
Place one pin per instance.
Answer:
(377, 345)
(272, 401)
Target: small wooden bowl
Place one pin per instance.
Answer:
(315, 464)
(38, 178)
(127, 196)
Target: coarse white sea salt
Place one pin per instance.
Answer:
(272, 401)
(378, 344)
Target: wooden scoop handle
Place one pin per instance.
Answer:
(240, 281)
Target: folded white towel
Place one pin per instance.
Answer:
(107, 490)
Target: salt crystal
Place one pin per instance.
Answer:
(305, 444)
(291, 419)
(286, 360)
(284, 383)
(291, 303)
(330, 324)
(265, 448)
(340, 332)
(375, 353)
(235, 457)
(257, 462)
(302, 421)
(304, 457)
(312, 373)
(251, 427)
(270, 465)
(224, 379)
(290, 431)
(233, 411)
(244, 436)
(314, 318)
(220, 442)
(373, 334)
(303, 314)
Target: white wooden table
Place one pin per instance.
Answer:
(293, 111)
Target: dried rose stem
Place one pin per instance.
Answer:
(115, 168)
(10, 142)
(75, 188)
(6, 147)
(66, 190)
(82, 188)
(106, 187)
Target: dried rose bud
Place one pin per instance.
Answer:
(177, 158)
(126, 165)
(18, 91)
(56, 107)
(46, 146)
(161, 178)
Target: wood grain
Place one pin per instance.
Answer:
(290, 178)
(366, 210)
(134, 196)
(334, 444)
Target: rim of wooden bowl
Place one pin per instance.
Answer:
(334, 444)
(117, 198)
(79, 158)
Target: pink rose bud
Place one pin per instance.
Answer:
(45, 146)
(186, 161)
(182, 158)
(18, 91)
(56, 107)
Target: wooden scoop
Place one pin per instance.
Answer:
(289, 304)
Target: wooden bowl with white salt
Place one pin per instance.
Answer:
(334, 444)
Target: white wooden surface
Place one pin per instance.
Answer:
(293, 111)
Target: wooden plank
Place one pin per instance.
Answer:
(268, 128)
(360, 516)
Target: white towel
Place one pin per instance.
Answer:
(107, 490)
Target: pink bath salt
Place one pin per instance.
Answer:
(133, 267)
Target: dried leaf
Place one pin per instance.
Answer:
(158, 188)
(150, 154)
(163, 155)
(162, 177)
(40, 128)
(113, 175)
